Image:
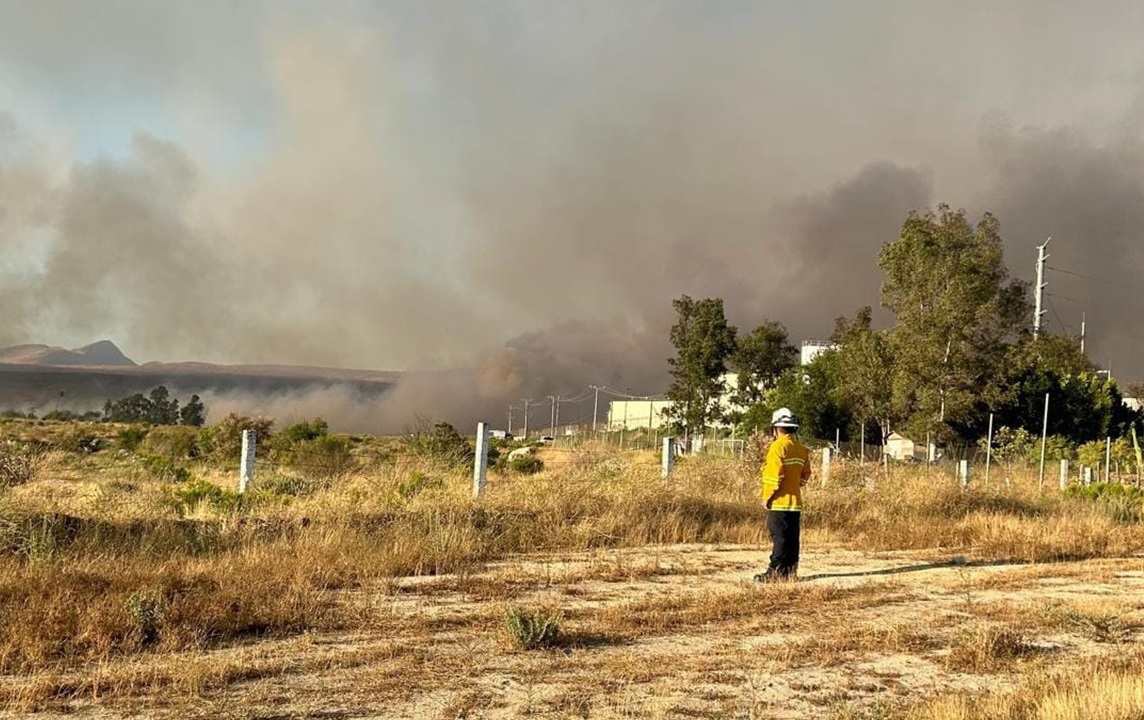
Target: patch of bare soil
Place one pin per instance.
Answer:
(664, 632)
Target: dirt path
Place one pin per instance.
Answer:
(671, 632)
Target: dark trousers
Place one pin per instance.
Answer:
(785, 528)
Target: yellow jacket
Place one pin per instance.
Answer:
(787, 466)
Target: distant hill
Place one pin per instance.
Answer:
(99, 354)
(35, 377)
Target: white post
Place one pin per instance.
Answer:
(1086, 475)
(1107, 457)
(1044, 435)
(481, 463)
(246, 471)
(863, 443)
(668, 456)
(963, 473)
(1064, 474)
(826, 456)
(989, 449)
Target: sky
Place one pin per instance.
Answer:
(521, 188)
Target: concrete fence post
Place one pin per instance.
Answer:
(246, 469)
(481, 462)
(963, 473)
(668, 462)
(1064, 473)
(826, 457)
(1086, 476)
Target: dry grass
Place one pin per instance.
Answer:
(97, 566)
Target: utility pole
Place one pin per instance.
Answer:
(552, 415)
(526, 401)
(1039, 293)
(510, 419)
(595, 408)
(1082, 319)
(556, 427)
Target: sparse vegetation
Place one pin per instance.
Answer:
(532, 629)
(115, 560)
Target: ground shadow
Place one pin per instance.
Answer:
(920, 567)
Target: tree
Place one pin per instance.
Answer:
(864, 368)
(809, 391)
(194, 413)
(760, 358)
(703, 342)
(956, 307)
(162, 408)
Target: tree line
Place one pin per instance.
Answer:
(960, 348)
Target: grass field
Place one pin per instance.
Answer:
(134, 582)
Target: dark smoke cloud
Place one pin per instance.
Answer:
(520, 189)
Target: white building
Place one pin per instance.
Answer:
(812, 349)
(637, 414)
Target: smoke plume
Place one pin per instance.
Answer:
(503, 198)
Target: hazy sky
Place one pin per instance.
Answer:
(524, 186)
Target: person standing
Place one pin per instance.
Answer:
(786, 468)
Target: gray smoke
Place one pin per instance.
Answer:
(519, 190)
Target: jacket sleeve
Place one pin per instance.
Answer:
(805, 469)
(772, 471)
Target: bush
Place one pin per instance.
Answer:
(1121, 503)
(444, 443)
(19, 463)
(526, 464)
(223, 440)
(165, 469)
(79, 440)
(173, 441)
(325, 457)
(532, 629)
(416, 483)
(200, 492)
(130, 438)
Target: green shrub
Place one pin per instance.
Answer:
(533, 629)
(1121, 503)
(165, 469)
(79, 440)
(324, 457)
(283, 485)
(526, 464)
(303, 432)
(416, 483)
(442, 442)
(187, 497)
(145, 610)
(174, 441)
(130, 438)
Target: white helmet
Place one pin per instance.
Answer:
(783, 418)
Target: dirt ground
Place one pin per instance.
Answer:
(664, 632)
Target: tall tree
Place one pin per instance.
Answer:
(864, 368)
(955, 308)
(194, 413)
(760, 358)
(703, 342)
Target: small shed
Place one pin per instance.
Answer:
(900, 447)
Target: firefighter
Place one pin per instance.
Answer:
(786, 468)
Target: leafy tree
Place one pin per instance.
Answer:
(703, 342)
(194, 413)
(131, 409)
(760, 358)
(864, 365)
(162, 409)
(955, 307)
(809, 391)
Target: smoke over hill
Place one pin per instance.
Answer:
(520, 189)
